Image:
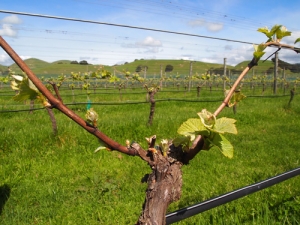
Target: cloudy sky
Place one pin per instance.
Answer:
(55, 39)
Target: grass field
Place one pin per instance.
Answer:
(60, 180)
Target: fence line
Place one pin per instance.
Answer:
(228, 197)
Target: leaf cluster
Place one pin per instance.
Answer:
(211, 129)
(236, 97)
(275, 34)
(26, 90)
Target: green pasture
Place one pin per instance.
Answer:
(46, 179)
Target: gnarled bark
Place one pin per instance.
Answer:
(164, 185)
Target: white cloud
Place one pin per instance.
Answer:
(7, 28)
(187, 57)
(228, 47)
(149, 42)
(148, 45)
(197, 23)
(214, 26)
(5, 60)
(13, 19)
(209, 60)
(210, 26)
(24, 57)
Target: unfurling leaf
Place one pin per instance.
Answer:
(92, 116)
(207, 118)
(102, 146)
(127, 143)
(164, 146)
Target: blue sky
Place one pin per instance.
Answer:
(52, 39)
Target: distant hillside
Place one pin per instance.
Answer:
(153, 67)
(295, 68)
(3, 69)
(267, 68)
(32, 63)
(261, 68)
(179, 66)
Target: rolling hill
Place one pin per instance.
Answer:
(3, 68)
(180, 67)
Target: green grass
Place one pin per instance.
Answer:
(60, 180)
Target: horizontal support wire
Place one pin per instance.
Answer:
(120, 25)
(139, 102)
(190, 211)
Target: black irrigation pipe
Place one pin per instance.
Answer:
(268, 96)
(181, 91)
(115, 103)
(228, 197)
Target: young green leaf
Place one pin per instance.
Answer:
(182, 140)
(189, 127)
(258, 51)
(258, 55)
(223, 145)
(264, 30)
(282, 32)
(27, 90)
(238, 96)
(297, 40)
(225, 125)
(274, 29)
(185, 141)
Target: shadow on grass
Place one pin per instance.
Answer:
(4, 195)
